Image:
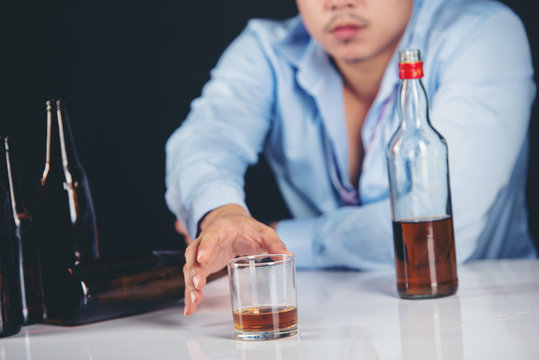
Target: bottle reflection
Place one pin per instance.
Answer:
(30, 342)
(27, 347)
(17, 348)
(431, 329)
(356, 344)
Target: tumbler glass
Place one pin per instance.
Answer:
(263, 296)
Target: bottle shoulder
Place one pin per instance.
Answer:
(425, 139)
(58, 174)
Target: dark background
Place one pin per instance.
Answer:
(129, 71)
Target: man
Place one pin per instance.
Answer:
(316, 93)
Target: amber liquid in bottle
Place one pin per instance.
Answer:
(266, 318)
(425, 257)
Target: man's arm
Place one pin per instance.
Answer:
(208, 155)
(206, 162)
(351, 237)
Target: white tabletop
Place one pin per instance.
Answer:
(342, 315)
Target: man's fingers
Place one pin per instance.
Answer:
(276, 248)
(189, 305)
(191, 253)
(272, 242)
(192, 298)
(199, 277)
(194, 282)
(211, 243)
(194, 279)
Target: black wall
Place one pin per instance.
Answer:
(129, 71)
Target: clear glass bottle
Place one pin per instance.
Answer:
(25, 236)
(64, 211)
(417, 159)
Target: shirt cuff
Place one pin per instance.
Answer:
(298, 235)
(210, 199)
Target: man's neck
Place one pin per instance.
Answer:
(362, 78)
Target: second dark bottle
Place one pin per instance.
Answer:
(65, 212)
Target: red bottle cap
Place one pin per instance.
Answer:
(411, 70)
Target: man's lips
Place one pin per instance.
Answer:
(345, 32)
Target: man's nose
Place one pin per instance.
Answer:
(340, 4)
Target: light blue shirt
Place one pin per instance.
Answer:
(275, 90)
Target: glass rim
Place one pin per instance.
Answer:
(255, 260)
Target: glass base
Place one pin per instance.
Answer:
(265, 335)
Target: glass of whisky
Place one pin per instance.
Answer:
(263, 296)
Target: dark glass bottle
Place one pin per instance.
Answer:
(10, 290)
(418, 170)
(65, 212)
(110, 288)
(25, 236)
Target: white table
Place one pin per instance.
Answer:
(342, 315)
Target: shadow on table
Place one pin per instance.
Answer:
(376, 282)
(384, 284)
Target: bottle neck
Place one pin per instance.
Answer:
(60, 152)
(413, 104)
(413, 100)
(67, 146)
(17, 205)
(48, 142)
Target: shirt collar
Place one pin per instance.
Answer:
(317, 76)
(294, 44)
(313, 65)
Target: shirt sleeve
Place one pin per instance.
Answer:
(350, 237)
(207, 156)
(481, 105)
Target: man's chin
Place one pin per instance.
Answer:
(356, 55)
(351, 55)
(352, 58)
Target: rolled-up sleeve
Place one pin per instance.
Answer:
(350, 237)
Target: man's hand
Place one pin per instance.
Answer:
(226, 232)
